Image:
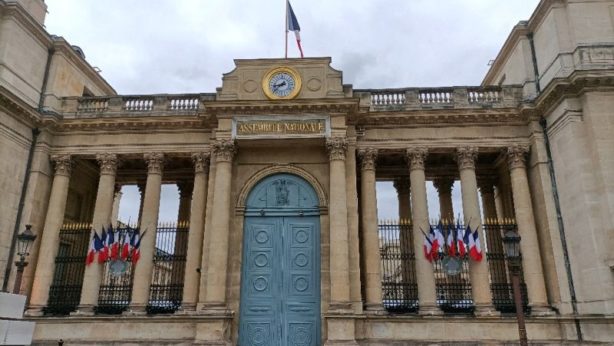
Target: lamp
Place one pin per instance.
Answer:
(511, 243)
(24, 242)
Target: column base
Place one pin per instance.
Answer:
(214, 309)
(429, 310)
(186, 310)
(374, 309)
(34, 311)
(486, 310)
(83, 310)
(340, 308)
(215, 330)
(136, 310)
(541, 311)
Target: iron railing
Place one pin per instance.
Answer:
(500, 279)
(166, 290)
(65, 290)
(399, 284)
(115, 291)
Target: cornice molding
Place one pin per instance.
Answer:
(223, 109)
(443, 116)
(126, 123)
(18, 109)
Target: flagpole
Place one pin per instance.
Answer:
(286, 29)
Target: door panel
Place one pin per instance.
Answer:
(280, 289)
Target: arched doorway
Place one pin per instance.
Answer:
(280, 275)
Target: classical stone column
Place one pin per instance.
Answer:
(45, 266)
(493, 237)
(339, 254)
(444, 189)
(480, 284)
(370, 239)
(149, 224)
(141, 188)
(420, 220)
(197, 227)
(487, 193)
(401, 184)
(102, 217)
(529, 244)
(215, 294)
(353, 227)
(406, 239)
(185, 199)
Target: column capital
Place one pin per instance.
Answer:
(466, 157)
(201, 161)
(416, 157)
(402, 185)
(443, 184)
(367, 156)
(336, 147)
(516, 156)
(224, 150)
(155, 162)
(185, 188)
(63, 164)
(108, 163)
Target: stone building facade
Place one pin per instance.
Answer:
(278, 241)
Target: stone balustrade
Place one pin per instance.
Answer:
(84, 107)
(433, 98)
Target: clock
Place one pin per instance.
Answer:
(282, 83)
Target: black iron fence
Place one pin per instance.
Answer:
(117, 276)
(399, 284)
(500, 279)
(453, 287)
(65, 290)
(166, 290)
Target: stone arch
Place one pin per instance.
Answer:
(290, 169)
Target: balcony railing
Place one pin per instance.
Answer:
(433, 98)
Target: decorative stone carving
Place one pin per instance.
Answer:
(63, 164)
(466, 157)
(517, 156)
(368, 157)
(336, 147)
(201, 162)
(155, 162)
(108, 163)
(224, 150)
(416, 157)
(443, 184)
(402, 185)
(185, 188)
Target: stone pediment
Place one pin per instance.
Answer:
(317, 79)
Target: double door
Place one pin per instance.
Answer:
(280, 283)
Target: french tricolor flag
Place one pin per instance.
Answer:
(292, 25)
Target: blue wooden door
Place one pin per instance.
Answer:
(280, 284)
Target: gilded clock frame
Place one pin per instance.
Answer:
(292, 72)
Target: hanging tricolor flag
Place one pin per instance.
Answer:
(427, 245)
(438, 239)
(461, 246)
(451, 241)
(103, 255)
(113, 244)
(475, 249)
(292, 25)
(95, 247)
(136, 245)
(126, 244)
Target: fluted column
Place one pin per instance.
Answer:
(401, 184)
(480, 284)
(370, 239)
(117, 197)
(185, 199)
(102, 217)
(141, 188)
(444, 189)
(420, 221)
(215, 294)
(197, 227)
(181, 238)
(149, 223)
(529, 245)
(49, 238)
(487, 193)
(339, 247)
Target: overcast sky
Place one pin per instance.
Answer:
(184, 46)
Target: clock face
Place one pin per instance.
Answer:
(281, 83)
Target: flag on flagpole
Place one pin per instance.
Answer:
(136, 245)
(428, 247)
(95, 247)
(451, 241)
(461, 246)
(104, 252)
(476, 250)
(438, 240)
(112, 244)
(292, 25)
(126, 246)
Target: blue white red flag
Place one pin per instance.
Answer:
(475, 249)
(126, 246)
(460, 240)
(103, 254)
(438, 240)
(428, 246)
(95, 247)
(451, 241)
(292, 25)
